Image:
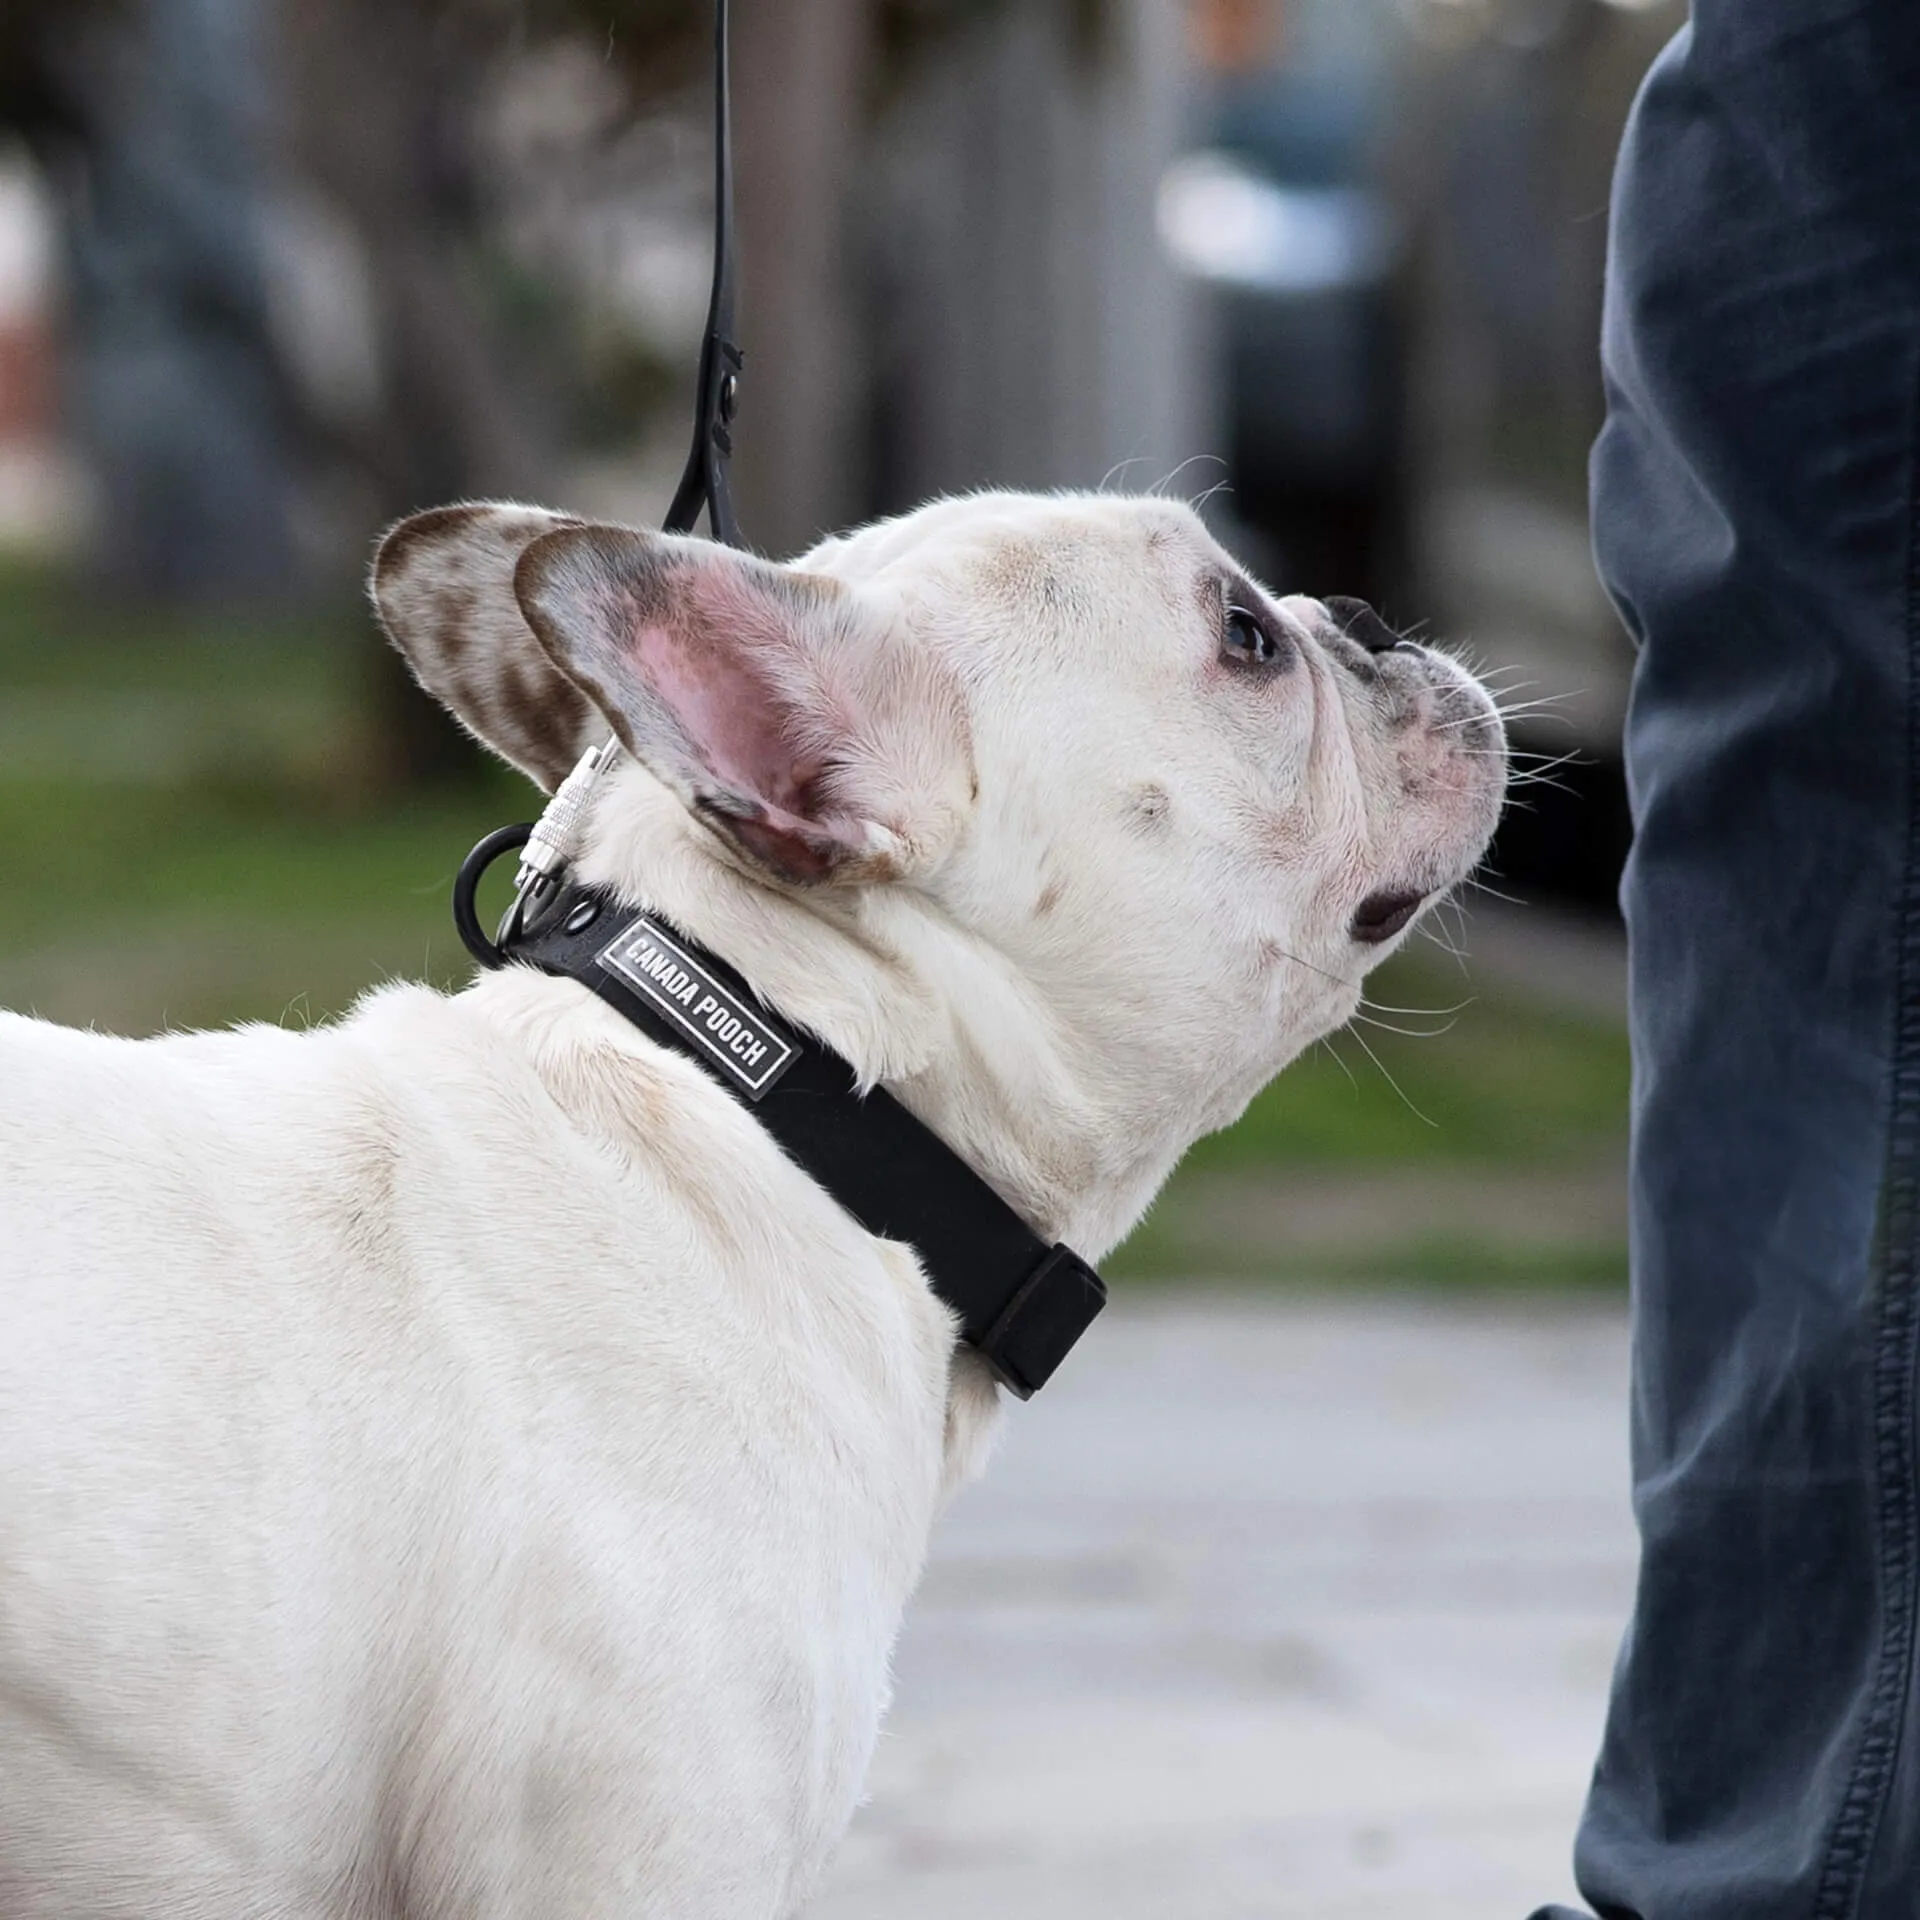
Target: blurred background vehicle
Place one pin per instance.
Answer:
(1282, 211)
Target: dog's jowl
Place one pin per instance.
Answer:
(453, 1461)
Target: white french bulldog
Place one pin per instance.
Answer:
(452, 1462)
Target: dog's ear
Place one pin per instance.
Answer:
(783, 707)
(443, 585)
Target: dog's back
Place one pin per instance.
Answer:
(335, 1369)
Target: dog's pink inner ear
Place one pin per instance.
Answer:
(737, 682)
(713, 661)
(709, 668)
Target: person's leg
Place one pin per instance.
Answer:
(1755, 521)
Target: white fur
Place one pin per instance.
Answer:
(450, 1461)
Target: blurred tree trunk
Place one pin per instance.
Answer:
(1029, 330)
(381, 93)
(799, 75)
(146, 118)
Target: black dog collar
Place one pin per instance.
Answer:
(1020, 1302)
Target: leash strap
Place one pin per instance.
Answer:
(1021, 1303)
(716, 397)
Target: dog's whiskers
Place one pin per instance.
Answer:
(1433, 929)
(1333, 1053)
(1410, 1033)
(1420, 1013)
(1389, 1079)
(1281, 953)
(1159, 487)
(1536, 766)
(1545, 706)
(1525, 779)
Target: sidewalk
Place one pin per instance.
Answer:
(1267, 1608)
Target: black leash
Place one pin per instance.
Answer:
(1021, 1303)
(717, 394)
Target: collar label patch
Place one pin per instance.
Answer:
(732, 1034)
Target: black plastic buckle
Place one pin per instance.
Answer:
(1056, 1303)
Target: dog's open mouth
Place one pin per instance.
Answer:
(1381, 915)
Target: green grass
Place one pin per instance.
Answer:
(89, 861)
(1179, 1241)
(138, 910)
(192, 828)
(1485, 1151)
(1491, 1080)
(52, 635)
(189, 835)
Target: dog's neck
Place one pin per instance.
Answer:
(911, 1003)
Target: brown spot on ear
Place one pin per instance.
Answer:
(521, 692)
(538, 720)
(804, 591)
(561, 725)
(516, 697)
(790, 855)
(454, 633)
(1049, 899)
(429, 525)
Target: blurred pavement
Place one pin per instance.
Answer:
(1298, 1607)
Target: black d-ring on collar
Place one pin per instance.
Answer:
(1020, 1302)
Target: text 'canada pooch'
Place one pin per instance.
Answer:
(747, 1047)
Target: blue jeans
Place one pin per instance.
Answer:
(1755, 503)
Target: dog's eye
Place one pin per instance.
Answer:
(1250, 642)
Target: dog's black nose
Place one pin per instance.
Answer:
(1358, 621)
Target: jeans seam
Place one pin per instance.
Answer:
(1857, 1820)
